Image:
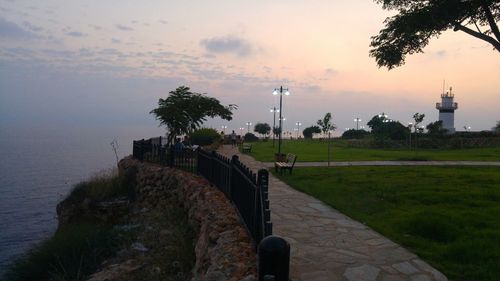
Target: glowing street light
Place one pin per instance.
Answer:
(298, 128)
(224, 129)
(248, 125)
(357, 120)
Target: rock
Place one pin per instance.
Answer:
(138, 247)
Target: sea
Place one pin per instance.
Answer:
(40, 165)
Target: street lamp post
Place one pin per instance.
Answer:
(241, 130)
(248, 125)
(410, 124)
(274, 110)
(298, 128)
(224, 129)
(280, 92)
(357, 120)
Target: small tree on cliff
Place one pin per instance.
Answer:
(184, 111)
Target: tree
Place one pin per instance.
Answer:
(417, 21)
(276, 131)
(309, 131)
(497, 127)
(383, 128)
(184, 111)
(436, 129)
(262, 128)
(376, 122)
(326, 124)
(355, 134)
(419, 118)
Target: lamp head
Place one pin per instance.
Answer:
(287, 93)
(275, 92)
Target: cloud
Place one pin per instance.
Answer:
(11, 30)
(163, 21)
(32, 27)
(331, 71)
(96, 27)
(123, 27)
(115, 41)
(227, 45)
(76, 34)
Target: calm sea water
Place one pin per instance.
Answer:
(38, 167)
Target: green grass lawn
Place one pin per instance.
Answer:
(449, 216)
(315, 150)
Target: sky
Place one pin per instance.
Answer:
(106, 63)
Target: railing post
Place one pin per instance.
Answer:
(212, 166)
(171, 156)
(274, 258)
(234, 160)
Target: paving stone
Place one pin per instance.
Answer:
(405, 268)
(420, 277)
(362, 273)
(315, 276)
(438, 276)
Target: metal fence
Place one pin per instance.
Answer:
(245, 189)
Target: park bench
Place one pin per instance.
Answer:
(246, 148)
(287, 165)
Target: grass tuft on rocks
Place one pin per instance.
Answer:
(71, 253)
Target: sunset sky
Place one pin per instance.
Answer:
(106, 63)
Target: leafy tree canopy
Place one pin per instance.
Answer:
(417, 21)
(326, 123)
(497, 127)
(419, 118)
(355, 134)
(383, 128)
(262, 128)
(435, 129)
(309, 131)
(184, 111)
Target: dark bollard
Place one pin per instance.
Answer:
(274, 258)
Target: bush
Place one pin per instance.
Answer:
(204, 136)
(249, 137)
(355, 134)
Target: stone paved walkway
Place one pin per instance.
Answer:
(327, 245)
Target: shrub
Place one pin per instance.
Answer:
(249, 137)
(204, 136)
(355, 134)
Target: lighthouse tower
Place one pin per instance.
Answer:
(446, 111)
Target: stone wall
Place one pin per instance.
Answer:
(223, 249)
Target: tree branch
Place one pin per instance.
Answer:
(491, 21)
(476, 34)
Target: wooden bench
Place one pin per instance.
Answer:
(287, 165)
(246, 147)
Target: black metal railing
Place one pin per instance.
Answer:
(245, 189)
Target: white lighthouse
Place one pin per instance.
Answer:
(447, 110)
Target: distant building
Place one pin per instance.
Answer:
(447, 111)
